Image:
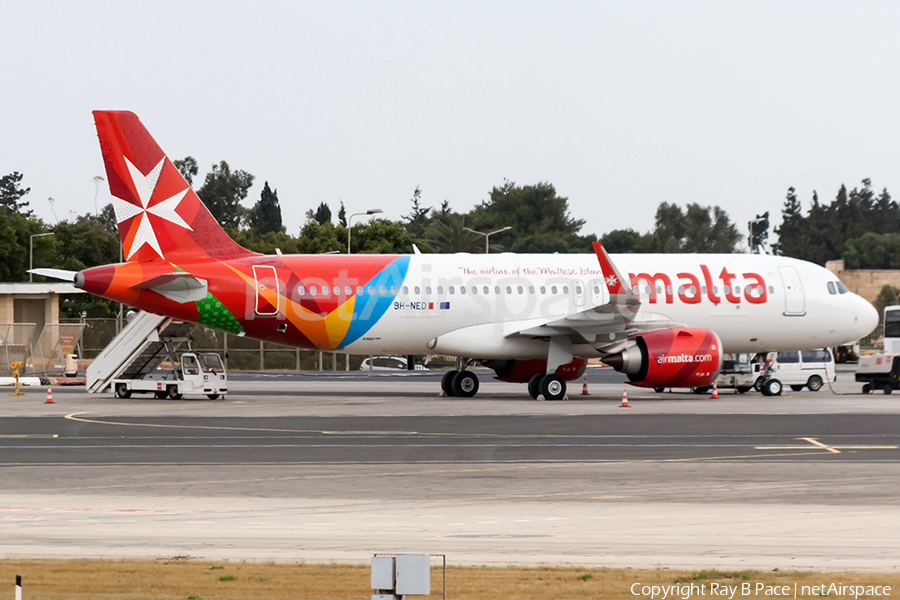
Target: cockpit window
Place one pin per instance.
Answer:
(842, 289)
(831, 289)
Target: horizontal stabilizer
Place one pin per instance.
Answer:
(60, 274)
(180, 287)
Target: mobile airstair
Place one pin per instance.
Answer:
(138, 349)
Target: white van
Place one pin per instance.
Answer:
(807, 368)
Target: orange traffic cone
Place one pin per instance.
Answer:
(715, 394)
(624, 399)
(49, 395)
(584, 390)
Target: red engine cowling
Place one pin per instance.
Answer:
(520, 371)
(676, 357)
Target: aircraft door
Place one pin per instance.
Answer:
(268, 298)
(794, 299)
(578, 292)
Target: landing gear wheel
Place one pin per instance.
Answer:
(534, 385)
(465, 384)
(160, 394)
(122, 391)
(212, 396)
(553, 387)
(659, 390)
(772, 387)
(743, 390)
(815, 383)
(447, 383)
(173, 392)
(888, 388)
(867, 389)
(796, 388)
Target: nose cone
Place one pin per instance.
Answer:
(866, 317)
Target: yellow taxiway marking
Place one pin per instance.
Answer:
(833, 449)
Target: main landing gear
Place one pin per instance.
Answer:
(459, 383)
(551, 387)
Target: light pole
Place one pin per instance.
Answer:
(750, 225)
(31, 254)
(371, 211)
(487, 236)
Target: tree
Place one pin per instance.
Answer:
(322, 214)
(342, 215)
(223, 191)
(792, 222)
(16, 230)
(447, 234)
(700, 229)
(265, 216)
(187, 166)
(627, 241)
(318, 238)
(11, 193)
(417, 220)
(873, 251)
(82, 243)
(381, 236)
(539, 219)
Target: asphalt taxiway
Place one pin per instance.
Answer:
(336, 467)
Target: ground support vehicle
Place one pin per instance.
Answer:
(798, 369)
(737, 372)
(194, 374)
(879, 372)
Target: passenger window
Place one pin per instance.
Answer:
(359, 290)
(831, 289)
(596, 290)
(530, 289)
(635, 290)
(371, 290)
(349, 291)
(301, 291)
(313, 290)
(382, 290)
(508, 289)
(771, 290)
(324, 290)
(565, 289)
(543, 289)
(452, 290)
(337, 291)
(418, 290)
(487, 290)
(427, 290)
(496, 289)
(737, 290)
(553, 289)
(702, 289)
(393, 290)
(462, 289)
(520, 290)
(440, 290)
(788, 357)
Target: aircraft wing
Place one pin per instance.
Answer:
(605, 327)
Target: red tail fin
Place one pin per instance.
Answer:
(159, 215)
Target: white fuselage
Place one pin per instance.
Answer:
(754, 303)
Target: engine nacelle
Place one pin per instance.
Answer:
(520, 371)
(676, 357)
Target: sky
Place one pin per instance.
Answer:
(620, 105)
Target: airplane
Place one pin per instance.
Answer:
(532, 318)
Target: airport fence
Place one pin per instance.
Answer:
(239, 353)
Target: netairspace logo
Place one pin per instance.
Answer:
(754, 590)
